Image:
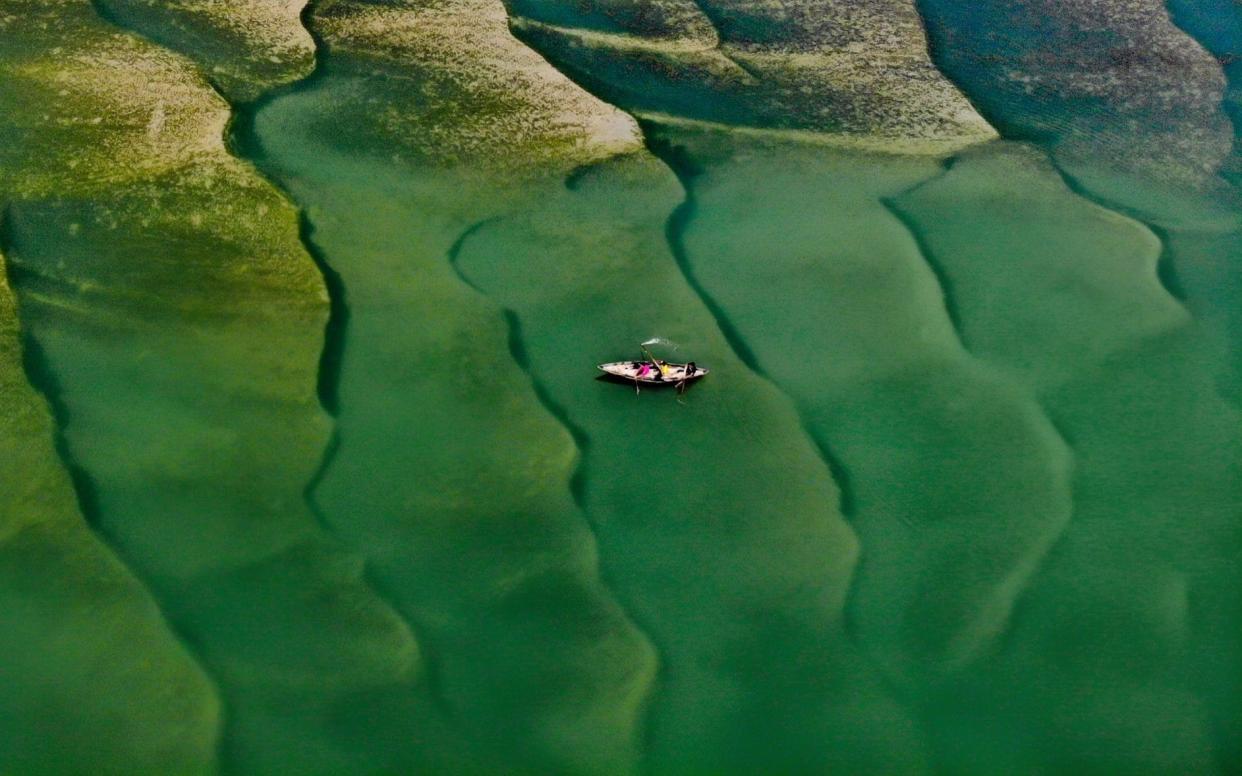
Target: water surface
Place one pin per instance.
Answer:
(309, 471)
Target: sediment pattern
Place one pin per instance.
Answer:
(179, 319)
(1077, 311)
(1114, 85)
(697, 566)
(849, 73)
(485, 547)
(91, 671)
(761, 557)
(960, 494)
(244, 47)
(928, 601)
(1134, 113)
(1205, 248)
(843, 312)
(1130, 108)
(1156, 116)
(855, 363)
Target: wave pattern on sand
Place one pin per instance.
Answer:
(851, 323)
(91, 668)
(845, 72)
(507, 163)
(529, 655)
(1115, 84)
(245, 47)
(1131, 110)
(958, 621)
(1077, 312)
(960, 494)
(165, 285)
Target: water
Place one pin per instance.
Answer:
(309, 471)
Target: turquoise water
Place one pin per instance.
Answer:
(309, 471)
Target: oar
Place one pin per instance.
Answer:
(686, 374)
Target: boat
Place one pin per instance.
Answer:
(650, 370)
(662, 373)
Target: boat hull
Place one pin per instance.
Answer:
(674, 373)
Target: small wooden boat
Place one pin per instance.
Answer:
(657, 373)
(650, 370)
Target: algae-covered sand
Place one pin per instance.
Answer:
(307, 470)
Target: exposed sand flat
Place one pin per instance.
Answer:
(837, 68)
(867, 27)
(100, 108)
(871, 56)
(683, 45)
(673, 22)
(522, 111)
(1217, 26)
(91, 669)
(894, 143)
(246, 47)
(1114, 83)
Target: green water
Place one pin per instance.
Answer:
(308, 471)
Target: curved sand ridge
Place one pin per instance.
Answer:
(1217, 26)
(246, 47)
(679, 24)
(522, 113)
(1116, 654)
(1113, 85)
(724, 543)
(844, 70)
(717, 520)
(1130, 106)
(451, 475)
(91, 670)
(1130, 304)
(99, 108)
(902, 360)
(835, 301)
(178, 319)
(1206, 260)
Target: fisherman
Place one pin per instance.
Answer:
(652, 367)
(690, 370)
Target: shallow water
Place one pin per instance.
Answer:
(306, 449)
